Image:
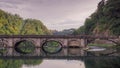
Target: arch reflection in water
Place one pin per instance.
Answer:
(24, 47)
(52, 47)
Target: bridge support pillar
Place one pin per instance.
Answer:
(9, 52)
(37, 52)
(83, 45)
(10, 47)
(65, 50)
(83, 42)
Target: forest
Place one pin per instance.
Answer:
(104, 21)
(13, 24)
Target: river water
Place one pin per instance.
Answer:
(87, 62)
(90, 61)
(81, 62)
(58, 64)
(107, 62)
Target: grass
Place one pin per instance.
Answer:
(101, 45)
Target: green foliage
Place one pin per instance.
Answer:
(52, 46)
(89, 26)
(34, 27)
(25, 47)
(101, 45)
(10, 63)
(15, 25)
(32, 62)
(105, 20)
(80, 30)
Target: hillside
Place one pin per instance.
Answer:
(63, 32)
(104, 21)
(15, 25)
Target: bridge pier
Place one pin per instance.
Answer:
(83, 42)
(10, 46)
(65, 50)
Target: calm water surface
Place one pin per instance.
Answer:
(101, 62)
(93, 62)
(58, 64)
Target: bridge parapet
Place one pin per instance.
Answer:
(77, 41)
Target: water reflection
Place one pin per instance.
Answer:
(17, 63)
(54, 59)
(86, 62)
(105, 62)
(58, 64)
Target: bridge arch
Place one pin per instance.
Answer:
(24, 47)
(52, 39)
(74, 43)
(24, 39)
(52, 46)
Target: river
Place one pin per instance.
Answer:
(58, 64)
(87, 62)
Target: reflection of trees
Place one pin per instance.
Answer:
(32, 62)
(12, 63)
(103, 63)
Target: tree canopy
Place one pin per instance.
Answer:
(105, 20)
(15, 25)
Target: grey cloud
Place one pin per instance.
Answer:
(66, 25)
(52, 12)
(7, 5)
(69, 22)
(13, 1)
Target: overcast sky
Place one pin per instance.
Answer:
(55, 14)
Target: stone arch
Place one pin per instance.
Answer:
(19, 40)
(56, 40)
(74, 43)
(17, 46)
(50, 41)
(45, 43)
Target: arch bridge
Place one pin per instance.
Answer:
(71, 45)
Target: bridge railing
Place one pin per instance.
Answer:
(58, 36)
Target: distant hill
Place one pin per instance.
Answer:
(64, 32)
(104, 21)
(14, 25)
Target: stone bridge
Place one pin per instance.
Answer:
(72, 45)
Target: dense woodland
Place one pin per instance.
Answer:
(15, 25)
(105, 20)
